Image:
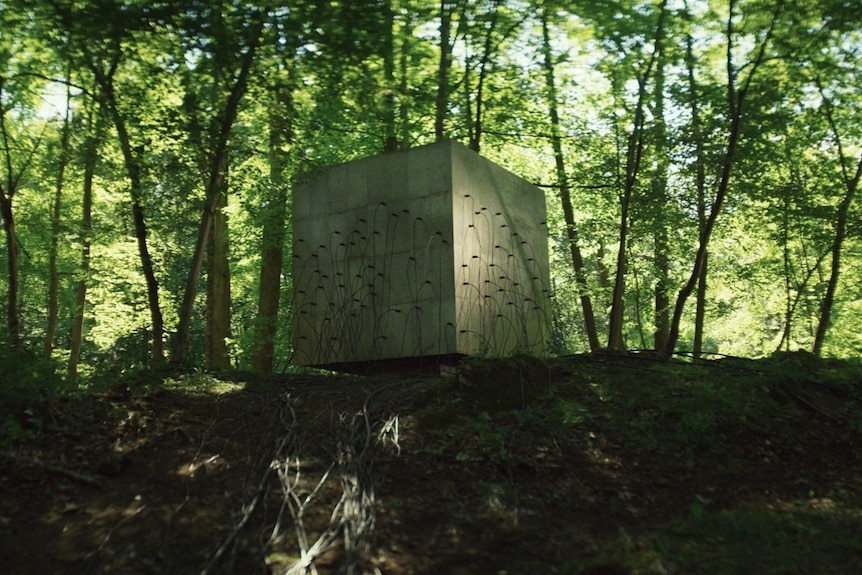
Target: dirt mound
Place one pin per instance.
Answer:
(517, 465)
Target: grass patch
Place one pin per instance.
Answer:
(199, 381)
(814, 537)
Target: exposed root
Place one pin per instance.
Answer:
(361, 437)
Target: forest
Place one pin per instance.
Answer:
(701, 162)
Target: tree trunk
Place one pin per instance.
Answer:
(705, 234)
(219, 160)
(800, 286)
(661, 244)
(275, 216)
(90, 160)
(468, 96)
(12, 322)
(269, 294)
(218, 280)
(634, 153)
(700, 309)
(662, 296)
(442, 100)
(7, 194)
(390, 138)
(851, 184)
(735, 101)
(132, 162)
(487, 54)
(53, 276)
(700, 196)
(789, 273)
(403, 86)
(565, 195)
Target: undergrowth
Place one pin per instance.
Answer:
(718, 421)
(652, 466)
(28, 386)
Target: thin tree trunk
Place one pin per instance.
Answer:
(53, 276)
(180, 348)
(487, 55)
(475, 141)
(218, 280)
(90, 160)
(735, 100)
(800, 298)
(637, 305)
(615, 320)
(789, 272)
(468, 105)
(565, 195)
(12, 322)
(700, 307)
(403, 86)
(273, 233)
(661, 244)
(706, 233)
(700, 196)
(662, 296)
(132, 161)
(603, 275)
(700, 190)
(7, 193)
(390, 138)
(634, 153)
(800, 286)
(851, 184)
(442, 100)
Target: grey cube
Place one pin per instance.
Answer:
(422, 255)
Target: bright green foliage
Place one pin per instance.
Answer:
(356, 78)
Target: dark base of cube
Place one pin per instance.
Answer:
(426, 365)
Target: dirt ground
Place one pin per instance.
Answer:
(515, 467)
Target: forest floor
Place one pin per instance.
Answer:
(586, 464)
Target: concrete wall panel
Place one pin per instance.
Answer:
(428, 252)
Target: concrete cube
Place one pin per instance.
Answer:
(418, 257)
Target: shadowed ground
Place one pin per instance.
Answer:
(600, 464)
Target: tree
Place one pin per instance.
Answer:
(248, 37)
(850, 178)
(699, 160)
(660, 204)
(8, 187)
(737, 91)
(19, 144)
(196, 111)
(563, 183)
(98, 41)
(499, 24)
(280, 93)
(53, 275)
(447, 10)
(95, 125)
(634, 154)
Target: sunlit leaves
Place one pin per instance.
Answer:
(360, 71)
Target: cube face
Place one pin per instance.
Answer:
(426, 253)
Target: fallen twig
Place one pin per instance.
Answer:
(76, 475)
